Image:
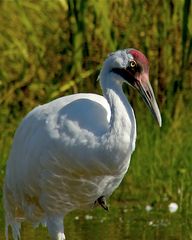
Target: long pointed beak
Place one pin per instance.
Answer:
(144, 87)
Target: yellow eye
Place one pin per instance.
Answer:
(133, 63)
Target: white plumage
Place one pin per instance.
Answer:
(70, 152)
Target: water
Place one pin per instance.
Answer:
(122, 222)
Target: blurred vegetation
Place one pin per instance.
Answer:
(55, 48)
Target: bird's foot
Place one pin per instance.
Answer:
(102, 202)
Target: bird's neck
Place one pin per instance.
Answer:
(122, 128)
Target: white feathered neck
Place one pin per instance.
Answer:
(121, 135)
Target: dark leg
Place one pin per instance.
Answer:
(102, 202)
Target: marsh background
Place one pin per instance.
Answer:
(55, 48)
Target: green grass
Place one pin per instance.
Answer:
(55, 48)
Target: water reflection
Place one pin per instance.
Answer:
(120, 223)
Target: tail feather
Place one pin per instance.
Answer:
(16, 230)
(9, 217)
(15, 226)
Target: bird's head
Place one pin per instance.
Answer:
(132, 67)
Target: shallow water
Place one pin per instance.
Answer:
(121, 222)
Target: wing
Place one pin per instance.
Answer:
(87, 111)
(52, 129)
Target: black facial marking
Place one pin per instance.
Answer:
(125, 74)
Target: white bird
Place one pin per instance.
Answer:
(73, 152)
